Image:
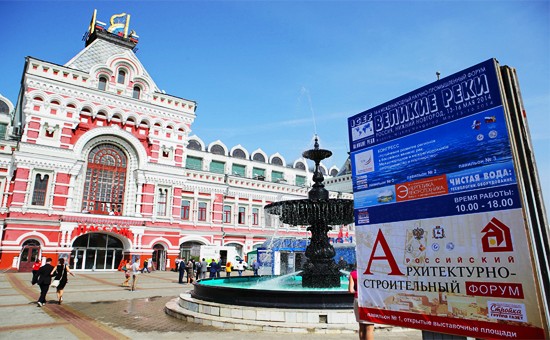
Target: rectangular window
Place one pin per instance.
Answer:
(226, 214)
(238, 170)
(40, 189)
(137, 92)
(255, 216)
(194, 163)
(276, 176)
(217, 167)
(121, 79)
(102, 85)
(301, 180)
(3, 128)
(162, 200)
(202, 211)
(258, 173)
(242, 215)
(185, 209)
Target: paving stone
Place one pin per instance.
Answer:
(95, 306)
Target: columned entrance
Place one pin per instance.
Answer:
(30, 252)
(96, 251)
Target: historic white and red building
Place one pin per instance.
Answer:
(98, 165)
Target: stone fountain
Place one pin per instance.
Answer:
(319, 212)
(320, 304)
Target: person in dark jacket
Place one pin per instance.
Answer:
(181, 270)
(44, 279)
(60, 273)
(213, 268)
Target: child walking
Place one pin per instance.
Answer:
(126, 282)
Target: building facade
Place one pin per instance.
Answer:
(97, 165)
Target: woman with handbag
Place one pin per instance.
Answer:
(60, 279)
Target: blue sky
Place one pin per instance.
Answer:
(270, 75)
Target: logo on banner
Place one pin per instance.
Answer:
(364, 162)
(497, 237)
(362, 131)
(438, 232)
(418, 233)
(506, 311)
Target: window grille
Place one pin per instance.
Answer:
(105, 180)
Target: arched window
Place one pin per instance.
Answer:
(121, 79)
(4, 108)
(300, 166)
(105, 180)
(194, 145)
(277, 161)
(40, 189)
(137, 92)
(217, 150)
(238, 153)
(102, 85)
(258, 157)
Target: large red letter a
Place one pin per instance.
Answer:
(388, 256)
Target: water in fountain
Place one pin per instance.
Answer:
(288, 282)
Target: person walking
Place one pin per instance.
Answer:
(177, 264)
(135, 272)
(181, 270)
(36, 265)
(204, 268)
(60, 273)
(366, 330)
(198, 265)
(240, 267)
(255, 267)
(44, 279)
(213, 269)
(228, 269)
(189, 270)
(145, 267)
(127, 276)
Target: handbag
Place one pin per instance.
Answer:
(56, 283)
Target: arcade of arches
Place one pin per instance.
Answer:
(92, 251)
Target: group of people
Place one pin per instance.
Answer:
(191, 270)
(42, 276)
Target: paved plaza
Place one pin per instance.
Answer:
(95, 306)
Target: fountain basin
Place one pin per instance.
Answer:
(248, 291)
(260, 319)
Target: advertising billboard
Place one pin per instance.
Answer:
(442, 242)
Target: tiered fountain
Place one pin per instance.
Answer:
(319, 212)
(321, 300)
